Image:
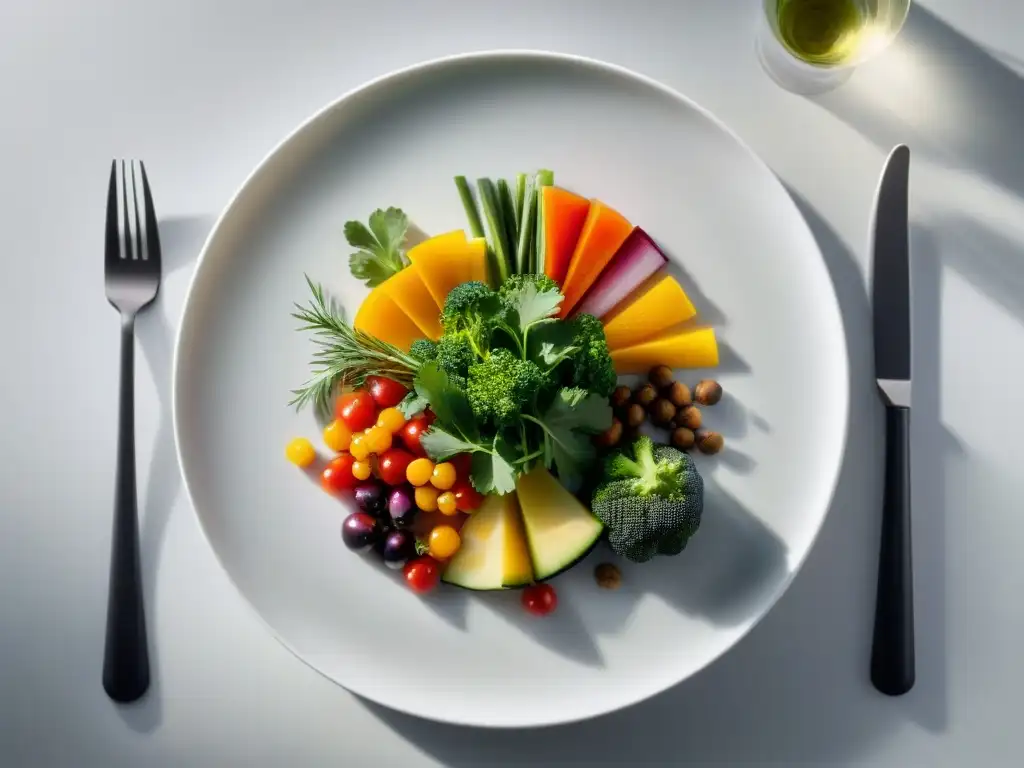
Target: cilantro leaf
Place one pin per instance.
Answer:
(492, 472)
(549, 344)
(573, 413)
(390, 228)
(449, 403)
(441, 445)
(380, 246)
(412, 404)
(533, 306)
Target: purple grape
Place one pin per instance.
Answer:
(371, 498)
(360, 531)
(399, 548)
(401, 505)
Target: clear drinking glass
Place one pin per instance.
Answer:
(811, 46)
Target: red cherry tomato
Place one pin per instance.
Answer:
(422, 574)
(386, 393)
(357, 410)
(463, 464)
(337, 475)
(467, 498)
(540, 599)
(412, 432)
(391, 465)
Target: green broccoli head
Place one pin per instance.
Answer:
(423, 350)
(472, 311)
(455, 354)
(515, 283)
(651, 500)
(500, 387)
(591, 365)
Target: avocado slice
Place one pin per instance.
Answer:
(493, 554)
(559, 529)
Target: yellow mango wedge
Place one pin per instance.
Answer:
(379, 316)
(409, 292)
(443, 262)
(677, 349)
(658, 304)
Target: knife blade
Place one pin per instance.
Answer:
(892, 652)
(891, 279)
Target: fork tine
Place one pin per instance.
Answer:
(152, 233)
(127, 217)
(139, 252)
(113, 247)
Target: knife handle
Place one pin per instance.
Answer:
(892, 652)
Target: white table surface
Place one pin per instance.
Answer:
(202, 89)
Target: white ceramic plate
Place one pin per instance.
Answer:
(745, 254)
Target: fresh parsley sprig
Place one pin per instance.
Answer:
(380, 246)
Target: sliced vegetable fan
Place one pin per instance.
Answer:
(604, 265)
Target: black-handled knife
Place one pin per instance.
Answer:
(892, 651)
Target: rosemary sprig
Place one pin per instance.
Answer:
(345, 355)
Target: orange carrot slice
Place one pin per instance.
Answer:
(564, 216)
(603, 232)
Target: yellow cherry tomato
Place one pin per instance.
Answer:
(443, 476)
(391, 419)
(446, 503)
(361, 470)
(337, 436)
(377, 439)
(300, 452)
(444, 542)
(419, 471)
(358, 447)
(426, 498)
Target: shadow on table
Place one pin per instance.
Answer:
(181, 240)
(944, 96)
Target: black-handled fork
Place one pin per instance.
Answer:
(132, 277)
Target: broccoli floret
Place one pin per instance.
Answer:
(455, 354)
(472, 311)
(650, 501)
(591, 365)
(515, 283)
(500, 387)
(423, 350)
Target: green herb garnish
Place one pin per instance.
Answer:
(380, 246)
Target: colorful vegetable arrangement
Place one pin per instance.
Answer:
(474, 396)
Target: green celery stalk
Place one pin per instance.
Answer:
(502, 257)
(520, 195)
(545, 178)
(524, 260)
(508, 212)
(476, 226)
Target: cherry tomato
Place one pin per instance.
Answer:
(540, 599)
(443, 476)
(337, 475)
(446, 503)
(467, 498)
(391, 419)
(413, 431)
(300, 452)
(337, 435)
(357, 410)
(361, 470)
(463, 465)
(422, 574)
(444, 541)
(377, 439)
(391, 465)
(386, 393)
(419, 471)
(426, 498)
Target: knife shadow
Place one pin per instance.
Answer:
(180, 240)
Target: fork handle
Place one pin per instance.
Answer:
(126, 656)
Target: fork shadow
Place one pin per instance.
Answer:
(181, 240)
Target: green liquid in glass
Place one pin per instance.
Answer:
(821, 31)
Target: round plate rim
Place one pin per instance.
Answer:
(584, 62)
